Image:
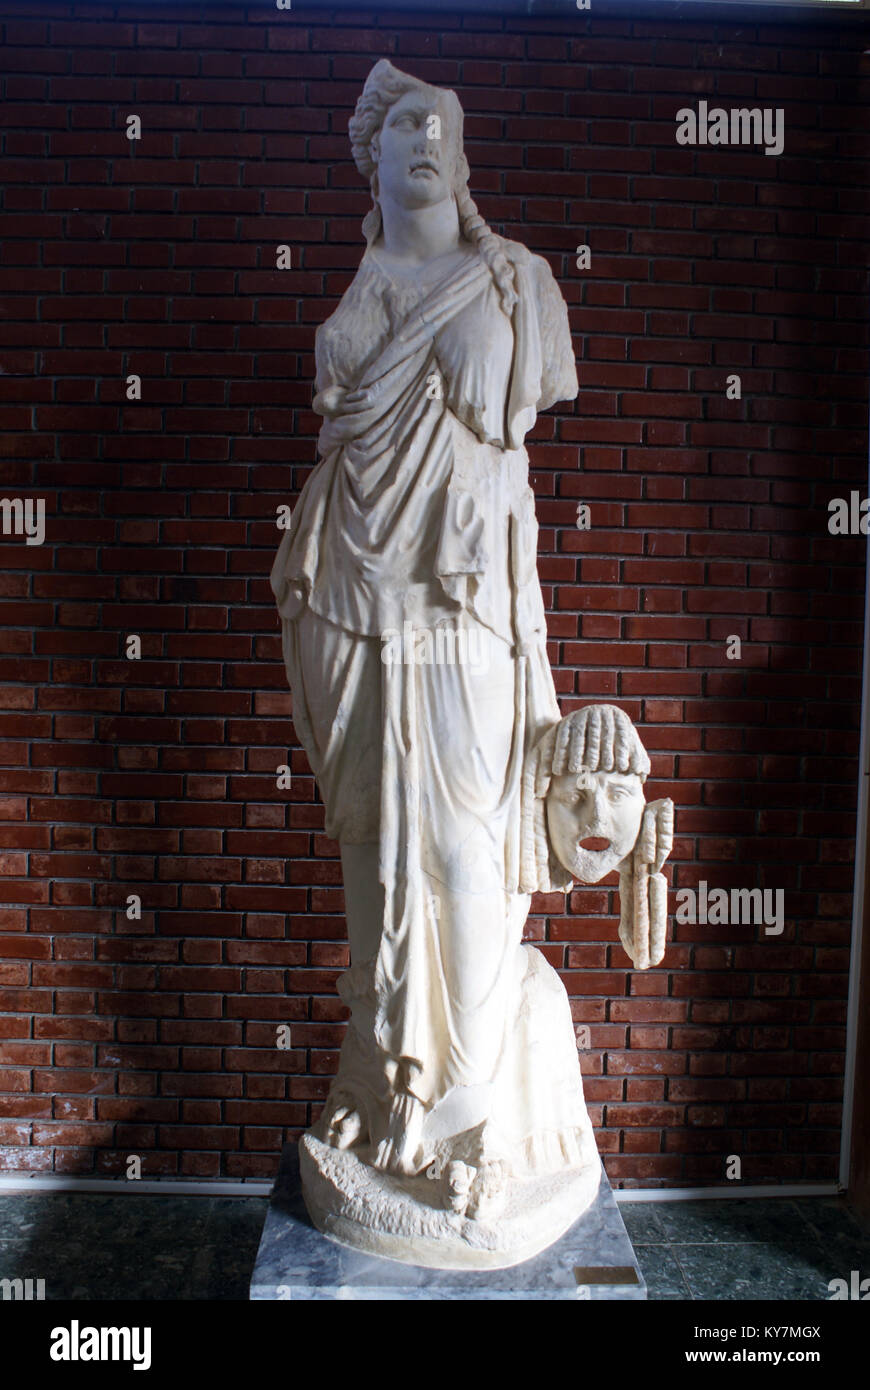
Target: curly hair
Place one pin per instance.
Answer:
(384, 86)
(596, 738)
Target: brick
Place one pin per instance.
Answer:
(158, 776)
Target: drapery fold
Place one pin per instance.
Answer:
(387, 455)
(420, 511)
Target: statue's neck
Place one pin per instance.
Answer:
(413, 236)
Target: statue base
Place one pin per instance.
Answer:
(404, 1218)
(593, 1259)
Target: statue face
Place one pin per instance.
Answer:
(593, 819)
(415, 168)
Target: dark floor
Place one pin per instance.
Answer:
(732, 1250)
(92, 1246)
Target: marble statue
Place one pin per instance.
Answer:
(455, 1134)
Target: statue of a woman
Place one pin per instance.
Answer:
(412, 548)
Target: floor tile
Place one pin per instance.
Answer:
(221, 1272)
(661, 1270)
(232, 1218)
(831, 1217)
(739, 1272)
(732, 1221)
(642, 1223)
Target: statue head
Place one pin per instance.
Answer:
(584, 795)
(406, 138)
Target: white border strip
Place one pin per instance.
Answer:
(718, 1194)
(858, 899)
(58, 1182)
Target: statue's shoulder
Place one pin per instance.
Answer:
(358, 300)
(365, 283)
(559, 379)
(355, 329)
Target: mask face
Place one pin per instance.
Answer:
(593, 819)
(414, 167)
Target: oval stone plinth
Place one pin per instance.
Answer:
(403, 1218)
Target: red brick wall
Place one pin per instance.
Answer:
(709, 518)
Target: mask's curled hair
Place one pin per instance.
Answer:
(383, 87)
(597, 738)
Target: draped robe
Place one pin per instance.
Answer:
(420, 513)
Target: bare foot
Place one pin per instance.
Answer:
(344, 1128)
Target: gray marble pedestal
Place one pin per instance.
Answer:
(593, 1260)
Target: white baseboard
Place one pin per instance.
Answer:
(62, 1182)
(39, 1184)
(717, 1194)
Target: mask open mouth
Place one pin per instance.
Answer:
(423, 164)
(594, 844)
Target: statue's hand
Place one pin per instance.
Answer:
(330, 401)
(364, 397)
